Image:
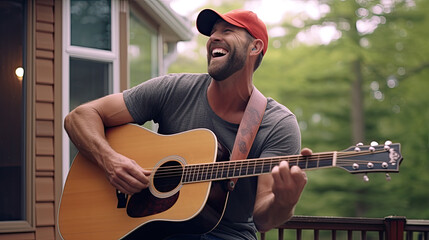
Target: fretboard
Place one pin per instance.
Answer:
(253, 167)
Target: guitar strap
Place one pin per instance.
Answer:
(248, 129)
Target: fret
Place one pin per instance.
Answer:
(231, 168)
(266, 167)
(204, 172)
(243, 168)
(271, 165)
(185, 174)
(253, 166)
(258, 168)
(218, 170)
(197, 173)
(302, 164)
(238, 169)
(311, 163)
(207, 177)
(192, 173)
(306, 162)
(224, 172)
(209, 170)
(188, 173)
(297, 162)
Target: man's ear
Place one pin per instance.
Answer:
(257, 47)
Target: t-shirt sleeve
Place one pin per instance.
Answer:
(145, 101)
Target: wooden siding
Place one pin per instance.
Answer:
(43, 49)
(45, 194)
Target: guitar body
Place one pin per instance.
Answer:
(88, 208)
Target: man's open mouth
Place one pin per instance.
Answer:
(219, 52)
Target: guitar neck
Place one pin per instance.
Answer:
(253, 167)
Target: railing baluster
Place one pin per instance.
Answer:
(281, 235)
(298, 234)
(334, 234)
(409, 235)
(316, 234)
(363, 235)
(381, 235)
(349, 235)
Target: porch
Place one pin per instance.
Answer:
(388, 228)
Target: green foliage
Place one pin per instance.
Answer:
(316, 83)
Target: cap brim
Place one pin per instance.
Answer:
(205, 21)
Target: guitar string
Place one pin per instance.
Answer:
(258, 164)
(264, 161)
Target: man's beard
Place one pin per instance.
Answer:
(234, 63)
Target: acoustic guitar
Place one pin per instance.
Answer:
(187, 192)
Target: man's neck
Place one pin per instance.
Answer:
(228, 98)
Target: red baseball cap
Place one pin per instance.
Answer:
(240, 18)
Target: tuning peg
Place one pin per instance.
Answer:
(387, 143)
(374, 143)
(357, 148)
(365, 178)
(388, 178)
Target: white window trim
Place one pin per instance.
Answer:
(90, 54)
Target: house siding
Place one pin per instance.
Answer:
(45, 120)
(43, 49)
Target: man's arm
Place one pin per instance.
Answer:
(85, 126)
(277, 194)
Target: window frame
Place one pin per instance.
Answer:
(28, 223)
(70, 51)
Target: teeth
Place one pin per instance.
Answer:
(219, 52)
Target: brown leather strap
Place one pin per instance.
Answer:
(248, 128)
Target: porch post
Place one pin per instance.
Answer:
(394, 227)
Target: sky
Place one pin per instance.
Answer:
(272, 12)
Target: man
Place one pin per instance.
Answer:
(217, 100)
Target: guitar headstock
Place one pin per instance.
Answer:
(371, 158)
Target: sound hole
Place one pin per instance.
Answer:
(168, 176)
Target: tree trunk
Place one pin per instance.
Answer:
(357, 115)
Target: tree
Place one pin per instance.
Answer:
(362, 86)
(368, 83)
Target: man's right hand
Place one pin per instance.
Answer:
(125, 174)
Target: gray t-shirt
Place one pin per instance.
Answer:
(178, 102)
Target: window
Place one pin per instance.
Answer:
(90, 59)
(89, 80)
(143, 54)
(90, 24)
(142, 51)
(13, 177)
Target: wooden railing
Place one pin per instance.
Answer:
(389, 228)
